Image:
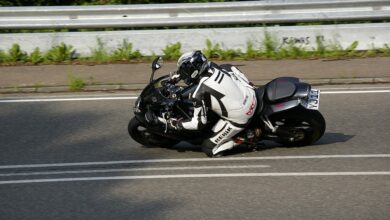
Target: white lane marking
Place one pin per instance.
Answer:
(70, 99)
(192, 160)
(302, 174)
(355, 88)
(355, 92)
(134, 169)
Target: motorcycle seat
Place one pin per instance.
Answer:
(280, 88)
(260, 99)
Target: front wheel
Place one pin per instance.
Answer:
(298, 127)
(140, 134)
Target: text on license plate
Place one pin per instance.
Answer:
(313, 100)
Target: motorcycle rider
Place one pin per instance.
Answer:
(222, 89)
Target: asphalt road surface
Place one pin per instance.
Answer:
(71, 158)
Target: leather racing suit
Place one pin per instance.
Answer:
(226, 91)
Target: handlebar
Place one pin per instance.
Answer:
(172, 89)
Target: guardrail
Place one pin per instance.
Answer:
(159, 15)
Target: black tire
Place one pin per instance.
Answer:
(304, 126)
(140, 134)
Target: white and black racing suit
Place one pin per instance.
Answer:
(227, 92)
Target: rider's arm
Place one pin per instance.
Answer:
(239, 74)
(236, 72)
(198, 120)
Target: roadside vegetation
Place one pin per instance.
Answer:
(270, 48)
(75, 83)
(94, 2)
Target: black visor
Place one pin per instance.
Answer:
(185, 71)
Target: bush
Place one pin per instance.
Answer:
(15, 54)
(251, 53)
(385, 50)
(321, 48)
(60, 53)
(215, 51)
(270, 45)
(172, 51)
(125, 52)
(36, 56)
(212, 51)
(291, 50)
(75, 83)
(351, 49)
(3, 57)
(100, 53)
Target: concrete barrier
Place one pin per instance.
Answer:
(372, 35)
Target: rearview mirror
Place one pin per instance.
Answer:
(157, 63)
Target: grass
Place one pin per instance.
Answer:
(36, 56)
(15, 54)
(385, 50)
(75, 83)
(100, 53)
(251, 52)
(60, 53)
(172, 51)
(3, 57)
(216, 52)
(125, 52)
(269, 48)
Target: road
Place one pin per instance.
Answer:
(73, 159)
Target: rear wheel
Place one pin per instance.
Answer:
(140, 134)
(299, 127)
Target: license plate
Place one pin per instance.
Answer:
(313, 99)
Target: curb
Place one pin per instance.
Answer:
(138, 87)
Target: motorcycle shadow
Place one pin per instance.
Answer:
(328, 138)
(240, 149)
(332, 138)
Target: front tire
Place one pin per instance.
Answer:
(140, 134)
(299, 126)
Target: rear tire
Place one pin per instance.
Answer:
(304, 126)
(140, 134)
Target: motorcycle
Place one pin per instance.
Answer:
(287, 113)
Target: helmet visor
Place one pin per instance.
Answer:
(185, 71)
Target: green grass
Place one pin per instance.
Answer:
(216, 52)
(385, 50)
(15, 54)
(100, 53)
(3, 57)
(251, 52)
(36, 56)
(125, 52)
(172, 51)
(59, 53)
(75, 83)
(269, 46)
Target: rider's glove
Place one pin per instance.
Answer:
(174, 124)
(175, 78)
(170, 124)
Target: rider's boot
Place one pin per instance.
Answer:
(212, 150)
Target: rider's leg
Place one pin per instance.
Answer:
(221, 140)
